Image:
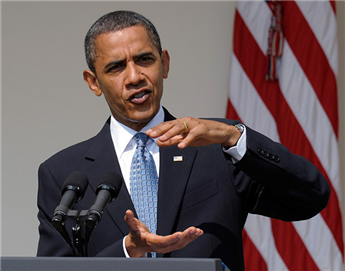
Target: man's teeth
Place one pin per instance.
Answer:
(139, 95)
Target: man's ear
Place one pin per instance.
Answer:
(91, 80)
(166, 63)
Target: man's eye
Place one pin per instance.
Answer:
(115, 67)
(145, 60)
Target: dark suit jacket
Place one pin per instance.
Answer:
(205, 190)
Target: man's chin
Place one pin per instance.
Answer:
(138, 121)
(144, 115)
(142, 120)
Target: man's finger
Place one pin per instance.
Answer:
(132, 223)
(129, 216)
(160, 129)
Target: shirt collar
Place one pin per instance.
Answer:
(122, 134)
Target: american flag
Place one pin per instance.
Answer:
(283, 84)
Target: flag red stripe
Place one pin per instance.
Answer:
(256, 261)
(312, 59)
(332, 2)
(286, 238)
(286, 121)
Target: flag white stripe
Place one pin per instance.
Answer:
(321, 19)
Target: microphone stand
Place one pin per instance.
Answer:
(78, 245)
(78, 238)
(59, 225)
(90, 225)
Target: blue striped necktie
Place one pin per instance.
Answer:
(144, 184)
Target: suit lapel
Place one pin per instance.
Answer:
(104, 158)
(173, 179)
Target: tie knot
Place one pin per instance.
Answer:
(141, 139)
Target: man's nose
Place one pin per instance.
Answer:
(133, 74)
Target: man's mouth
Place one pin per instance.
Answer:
(140, 97)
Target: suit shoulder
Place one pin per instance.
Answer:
(73, 150)
(77, 153)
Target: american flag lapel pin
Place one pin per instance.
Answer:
(178, 158)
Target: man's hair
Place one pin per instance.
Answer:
(112, 22)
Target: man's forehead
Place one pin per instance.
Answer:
(136, 31)
(135, 36)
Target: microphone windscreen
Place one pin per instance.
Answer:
(77, 182)
(111, 181)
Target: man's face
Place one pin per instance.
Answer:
(130, 73)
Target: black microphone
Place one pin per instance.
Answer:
(107, 191)
(73, 190)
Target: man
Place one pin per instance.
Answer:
(212, 173)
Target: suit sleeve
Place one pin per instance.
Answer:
(281, 185)
(51, 243)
